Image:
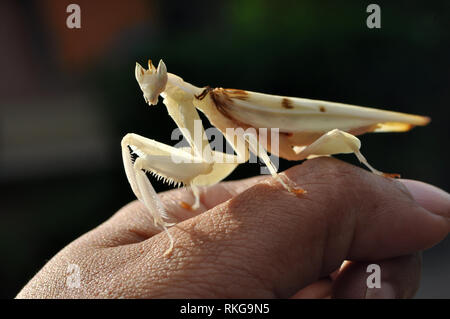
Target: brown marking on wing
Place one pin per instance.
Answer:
(322, 109)
(287, 134)
(236, 94)
(223, 102)
(221, 99)
(286, 103)
(202, 95)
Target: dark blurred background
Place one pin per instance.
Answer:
(67, 96)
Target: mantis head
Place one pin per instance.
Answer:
(152, 81)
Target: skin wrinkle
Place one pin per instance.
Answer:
(225, 189)
(403, 189)
(331, 239)
(354, 221)
(111, 228)
(139, 236)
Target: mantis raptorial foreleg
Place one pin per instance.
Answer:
(161, 158)
(174, 165)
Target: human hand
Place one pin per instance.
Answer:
(252, 239)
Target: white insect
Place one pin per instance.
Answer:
(307, 128)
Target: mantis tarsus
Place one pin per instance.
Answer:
(307, 128)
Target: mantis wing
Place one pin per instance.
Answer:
(292, 115)
(300, 121)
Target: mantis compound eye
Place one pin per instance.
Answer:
(152, 81)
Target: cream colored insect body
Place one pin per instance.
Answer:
(307, 128)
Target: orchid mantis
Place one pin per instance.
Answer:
(307, 128)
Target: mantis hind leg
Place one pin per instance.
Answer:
(337, 142)
(330, 143)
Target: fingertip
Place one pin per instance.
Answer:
(429, 197)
